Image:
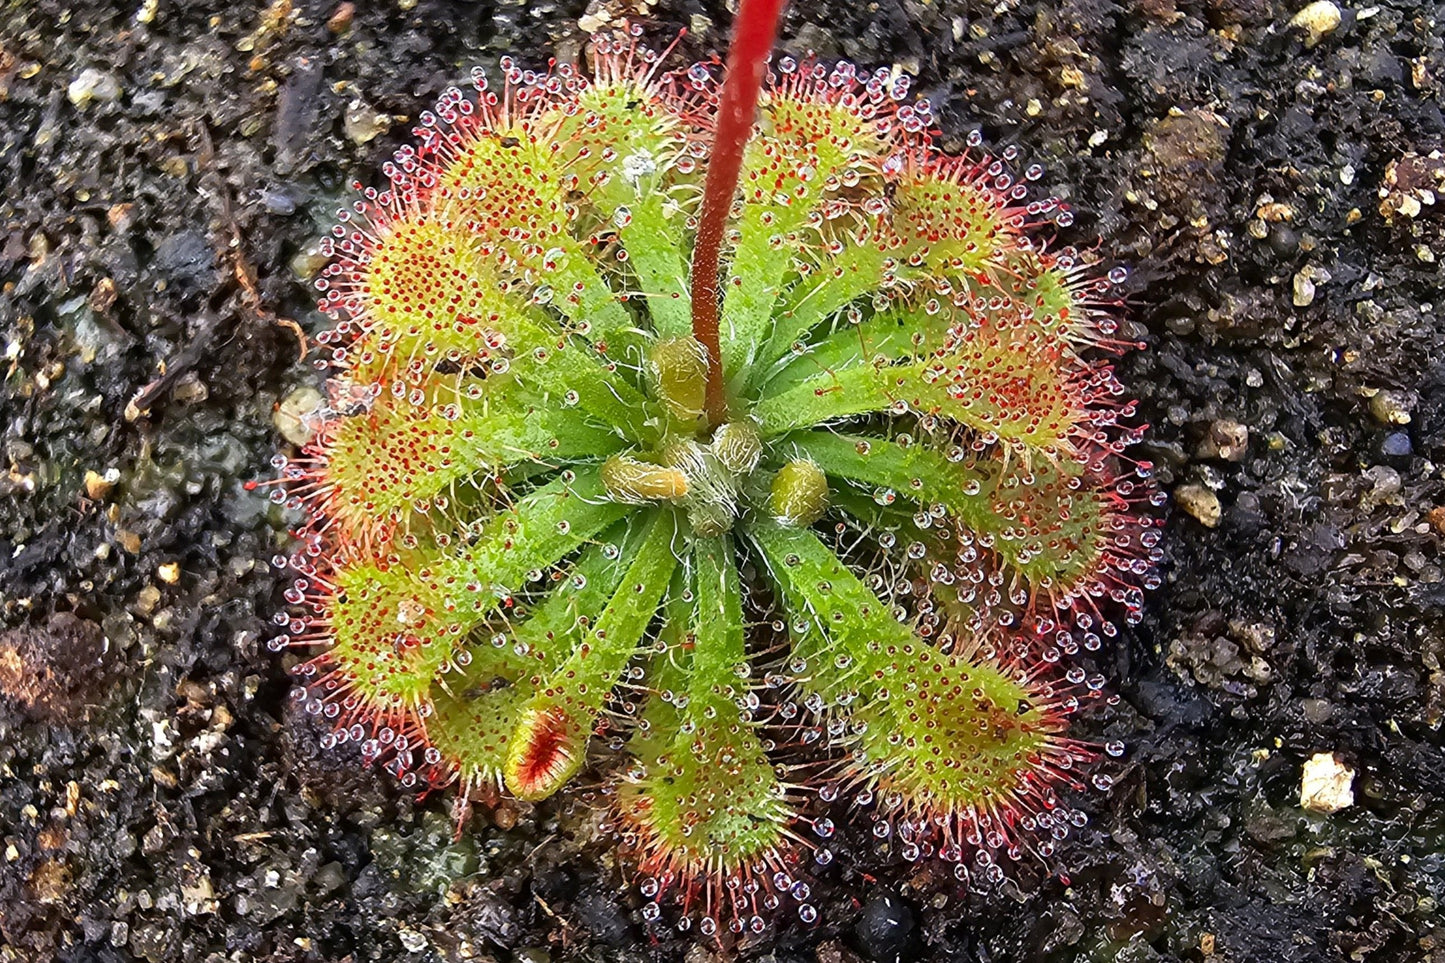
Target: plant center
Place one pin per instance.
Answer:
(712, 474)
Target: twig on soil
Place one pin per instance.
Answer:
(183, 362)
(241, 269)
(565, 923)
(248, 302)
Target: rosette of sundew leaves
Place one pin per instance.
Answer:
(728, 436)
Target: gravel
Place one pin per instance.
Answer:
(1266, 171)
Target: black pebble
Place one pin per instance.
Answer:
(603, 918)
(885, 928)
(1396, 445)
(186, 259)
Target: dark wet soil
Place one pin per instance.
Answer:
(164, 170)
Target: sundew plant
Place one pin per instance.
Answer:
(730, 441)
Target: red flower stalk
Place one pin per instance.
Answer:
(754, 30)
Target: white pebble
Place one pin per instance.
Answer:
(1318, 20)
(1326, 785)
(1200, 502)
(91, 85)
